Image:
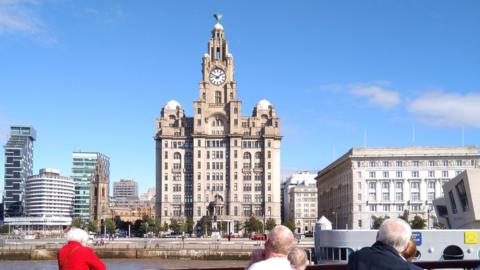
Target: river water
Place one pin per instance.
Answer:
(126, 264)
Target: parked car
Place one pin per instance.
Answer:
(258, 236)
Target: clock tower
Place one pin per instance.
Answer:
(217, 168)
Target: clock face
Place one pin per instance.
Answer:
(217, 76)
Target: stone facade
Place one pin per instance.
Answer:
(366, 183)
(217, 166)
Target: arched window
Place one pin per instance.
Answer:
(247, 155)
(218, 97)
(177, 156)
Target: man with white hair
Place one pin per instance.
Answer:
(279, 243)
(75, 255)
(385, 254)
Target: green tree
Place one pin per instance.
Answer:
(92, 226)
(404, 216)
(164, 227)
(290, 224)
(77, 223)
(189, 225)
(377, 222)
(418, 223)
(271, 223)
(175, 225)
(110, 225)
(3, 229)
(253, 225)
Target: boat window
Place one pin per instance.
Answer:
(343, 254)
(453, 253)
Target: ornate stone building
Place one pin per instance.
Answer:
(218, 167)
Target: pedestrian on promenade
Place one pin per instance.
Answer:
(298, 258)
(385, 253)
(75, 255)
(277, 247)
(411, 251)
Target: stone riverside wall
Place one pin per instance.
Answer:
(131, 253)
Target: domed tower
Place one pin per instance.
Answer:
(218, 168)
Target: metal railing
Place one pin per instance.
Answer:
(453, 264)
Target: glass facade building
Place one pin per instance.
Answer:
(18, 166)
(84, 169)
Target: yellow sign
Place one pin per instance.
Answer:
(471, 237)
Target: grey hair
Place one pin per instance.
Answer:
(298, 258)
(280, 240)
(77, 235)
(396, 233)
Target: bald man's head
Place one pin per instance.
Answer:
(280, 240)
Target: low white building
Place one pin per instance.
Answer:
(48, 201)
(459, 208)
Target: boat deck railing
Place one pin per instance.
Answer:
(452, 264)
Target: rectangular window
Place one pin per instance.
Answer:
(431, 163)
(386, 164)
(399, 185)
(458, 162)
(431, 174)
(400, 208)
(373, 208)
(372, 185)
(415, 185)
(431, 185)
(372, 196)
(445, 174)
(462, 195)
(415, 174)
(452, 202)
(386, 185)
(399, 174)
(415, 196)
(431, 196)
(386, 208)
(385, 196)
(386, 175)
(445, 163)
(398, 196)
(372, 164)
(416, 163)
(372, 174)
(399, 163)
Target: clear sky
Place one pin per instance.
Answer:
(94, 75)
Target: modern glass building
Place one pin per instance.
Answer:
(84, 170)
(18, 166)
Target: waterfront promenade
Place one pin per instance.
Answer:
(140, 248)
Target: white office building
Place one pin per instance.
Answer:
(48, 201)
(367, 183)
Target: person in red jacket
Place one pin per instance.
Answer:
(75, 255)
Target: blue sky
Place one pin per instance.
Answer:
(94, 75)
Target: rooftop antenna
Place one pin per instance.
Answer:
(365, 138)
(413, 135)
